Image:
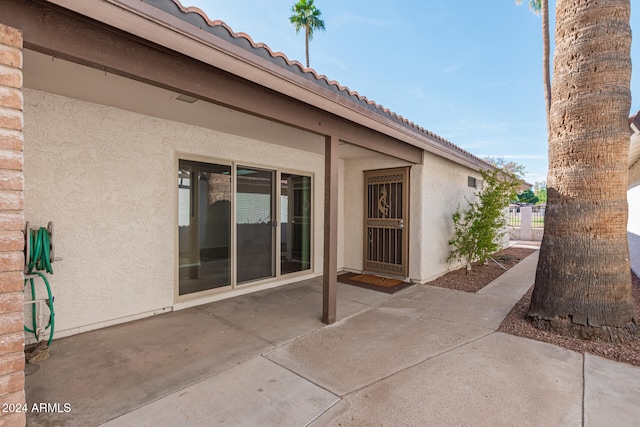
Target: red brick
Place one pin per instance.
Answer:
(10, 36)
(11, 261)
(11, 140)
(12, 383)
(16, 419)
(10, 303)
(11, 159)
(11, 398)
(11, 180)
(12, 281)
(11, 200)
(12, 322)
(12, 362)
(10, 343)
(10, 119)
(11, 56)
(12, 221)
(11, 97)
(11, 241)
(10, 77)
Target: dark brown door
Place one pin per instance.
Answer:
(386, 222)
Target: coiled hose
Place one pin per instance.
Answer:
(40, 260)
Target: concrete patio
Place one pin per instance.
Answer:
(423, 356)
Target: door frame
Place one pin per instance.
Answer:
(235, 287)
(401, 174)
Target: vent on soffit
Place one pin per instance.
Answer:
(186, 98)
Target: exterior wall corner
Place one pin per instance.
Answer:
(11, 225)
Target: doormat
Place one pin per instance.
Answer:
(376, 283)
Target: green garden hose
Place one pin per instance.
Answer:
(39, 247)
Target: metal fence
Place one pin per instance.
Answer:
(537, 216)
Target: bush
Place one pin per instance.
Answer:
(479, 229)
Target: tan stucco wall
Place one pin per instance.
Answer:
(444, 188)
(354, 205)
(633, 199)
(107, 179)
(437, 187)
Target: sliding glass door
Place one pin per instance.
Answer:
(258, 220)
(204, 229)
(255, 222)
(295, 223)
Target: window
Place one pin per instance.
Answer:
(471, 182)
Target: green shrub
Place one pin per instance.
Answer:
(479, 229)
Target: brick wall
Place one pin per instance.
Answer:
(11, 226)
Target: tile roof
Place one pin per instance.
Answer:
(195, 16)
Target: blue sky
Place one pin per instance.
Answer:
(468, 71)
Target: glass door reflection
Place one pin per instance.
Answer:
(255, 224)
(204, 226)
(295, 223)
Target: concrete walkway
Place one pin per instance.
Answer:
(424, 356)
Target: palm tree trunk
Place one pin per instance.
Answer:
(546, 76)
(306, 43)
(583, 279)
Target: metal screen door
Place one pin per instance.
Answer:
(386, 221)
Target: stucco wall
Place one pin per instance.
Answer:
(341, 216)
(444, 188)
(633, 199)
(354, 205)
(633, 224)
(107, 179)
(437, 187)
(634, 175)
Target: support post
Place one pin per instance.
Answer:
(526, 222)
(330, 259)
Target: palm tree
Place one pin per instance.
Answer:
(541, 7)
(583, 280)
(306, 15)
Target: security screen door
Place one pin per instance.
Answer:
(386, 221)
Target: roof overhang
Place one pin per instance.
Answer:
(145, 21)
(159, 27)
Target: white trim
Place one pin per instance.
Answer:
(242, 291)
(94, 326)
(235, 288)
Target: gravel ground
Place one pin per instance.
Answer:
(516, 322)
(480, 275)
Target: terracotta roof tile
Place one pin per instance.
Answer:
(199, 18)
